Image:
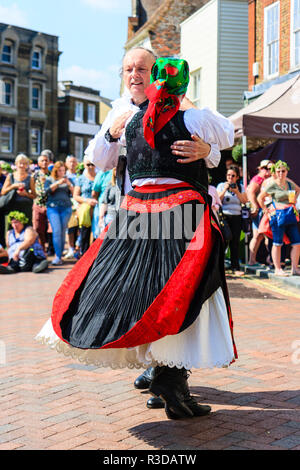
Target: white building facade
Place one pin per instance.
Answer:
(214, 41)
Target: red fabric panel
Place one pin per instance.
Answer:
(72, 282)
(166, 314)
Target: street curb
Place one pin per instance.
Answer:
(261, 272)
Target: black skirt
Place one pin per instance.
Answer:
(145, 277)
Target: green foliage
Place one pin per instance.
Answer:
(237, 153)
(79, 169)
(6, 167)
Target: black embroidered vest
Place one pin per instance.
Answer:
(145, 162)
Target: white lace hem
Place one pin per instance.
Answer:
(207, 343)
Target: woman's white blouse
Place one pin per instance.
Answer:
(210, 126)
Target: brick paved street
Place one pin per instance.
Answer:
(50, 402)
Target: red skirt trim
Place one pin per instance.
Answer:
(159, 205)
(157, 188)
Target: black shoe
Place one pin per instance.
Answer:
(144, 380)
(155, 402)
(168, 384)
(41, 266)
(6, 269)
(196, 408)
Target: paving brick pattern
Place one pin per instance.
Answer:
(50, 402)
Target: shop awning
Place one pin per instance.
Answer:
(274, 114)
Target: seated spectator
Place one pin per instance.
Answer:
(232, 195)
(25, 253)
(3, 255)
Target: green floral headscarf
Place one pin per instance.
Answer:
(16, 215)
(169, 79)
(279, 164)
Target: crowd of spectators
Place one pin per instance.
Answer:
(56, 209)
(49, 211)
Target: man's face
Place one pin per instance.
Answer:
(71, 164)
(137, 66)
(43, 162)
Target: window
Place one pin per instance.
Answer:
(7, 52)
(35, 141)
(36, 101)
(295, 40)
(6, 138)
(91, 113)
(79, 148)
(79, 111)
(6, 92)
(196, 87)
(36, 61)
(271, 62)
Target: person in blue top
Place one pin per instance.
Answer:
(59, 190)
(83, 195)
(101, 182)
(24, 250)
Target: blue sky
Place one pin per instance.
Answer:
(92, 34)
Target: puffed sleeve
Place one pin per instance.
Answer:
(100, 152)
(213, 128)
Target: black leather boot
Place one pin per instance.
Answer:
(189, 400)
(168, 384)
(143, 381)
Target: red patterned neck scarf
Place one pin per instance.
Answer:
(162, 107)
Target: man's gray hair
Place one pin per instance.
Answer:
(134, 49)
(48, 153)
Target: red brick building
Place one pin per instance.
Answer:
(274, 42)
(155, 24)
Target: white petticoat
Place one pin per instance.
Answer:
(207, 343)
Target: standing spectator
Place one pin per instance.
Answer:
(59, 190)
(2, 215)
(23, 182)
(49, 154)
(253, 190)
(232, 195)
(284, 193)
(108, 208)
(24, 250)
(39, 212)
(73, 228)
(103, 178)
(83, 195)
(71, 164)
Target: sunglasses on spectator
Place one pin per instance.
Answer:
(90, 164)
(280, 171)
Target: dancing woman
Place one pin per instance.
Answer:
(151, 291)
